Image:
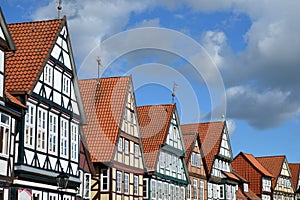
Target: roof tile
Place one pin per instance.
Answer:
(33, 41)
(295, 171)
(104, 105)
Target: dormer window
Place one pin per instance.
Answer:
(245, 187)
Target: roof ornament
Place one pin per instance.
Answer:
(175, 86)
(223, 117)
(59, 7)
(99, 69)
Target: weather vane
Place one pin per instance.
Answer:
(175, 86)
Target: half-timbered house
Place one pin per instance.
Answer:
(260, 179)
(197, 189)
(42, 75)
(295, 171)
(215, 144)
(10, 113)
(282, 185)
(164, 150)
(113, 137)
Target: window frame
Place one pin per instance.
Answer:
(126, 183)
(74, 141)
(104, 177)
(42, 129)
(53, 133)
(29, 134)
(64, 145)
(87, 186)
(119, 182)
(5, 140)
(136, 185)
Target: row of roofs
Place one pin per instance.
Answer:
(141, 152)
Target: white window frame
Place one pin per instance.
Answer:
(53, 196)
(36, 194)
(136, 185)
(64, 145)
(189, 191)
(145, 188)
(119, 182)
(5, 135)
(126, 183)
(120, 144)
(66, 85)
(53, 130)
(153, 189)
(74, 142)
(29, 135)
(136, 150)
(221, 194)
(195, 189)
(201, 190)
(103, 177)
(126, 146)
(87, 186)
(48, 74)
(41, 130)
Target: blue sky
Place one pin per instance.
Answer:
(254, 45)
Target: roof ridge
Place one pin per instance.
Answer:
(270, 156)
(156, 105)
(38, 21)
(208, 122)
(112, 77)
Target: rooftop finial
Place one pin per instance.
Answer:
(99, 69)
(175, 86)
(59, 7)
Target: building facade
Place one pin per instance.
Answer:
(197, 189)
(282, 185)
(42, 74)
(167, 175)
(295, 171)
(10, 114)
(215, 144)
(113, 137)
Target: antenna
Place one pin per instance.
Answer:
(99, 69)
(175, 86)
(59, 7)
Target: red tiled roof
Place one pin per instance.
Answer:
(104, 105)
(256, 164)
(154, 123)
(210, 136)
(240, 195)
(232, 176)
(189, 141)
(34, 41)
(295, 170)
(273, 164)
(14, 100)
(251, 195)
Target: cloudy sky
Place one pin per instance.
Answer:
(237, 58)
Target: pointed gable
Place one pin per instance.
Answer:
(254, 162)
(295, 171)
(34, 41)
(104, 104)
(190, 140)
(273, 164)
(210, 134)
(154, 124)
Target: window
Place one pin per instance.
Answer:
(153, 187)
(193, 159)
(198, 159)
(126, 146)
(245, 187)
(119, 181)
(74, 141)
(52, 133)
(66, 86)
(159, 190)
(195, 189)
(4, 134)
(136, 185)
(145, 188)
(126, 183)
(79, 191)
(221, 191)
(87, 186)
(188, 193)
(209, 190)
(120, 144)
(48, 74)
(37, 195)
(201, 190)
(166, 192)
(172, 192)
(52, 196)
(64, 138)
(136, 150)
(104, 179)
(41, 130)
(29, 125)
